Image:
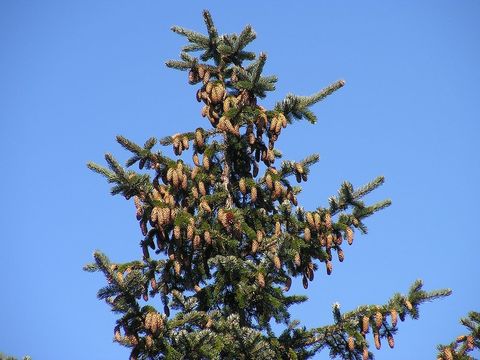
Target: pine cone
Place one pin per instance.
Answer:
(261, 280)
(365, 324)
(278, 229)
(254, 246)
(351, 343)
(329, 267)
(269, 181)
(288, 284)
(207, 237)
(391, 341)
(185, 143)
(259, 236)
(448, 353)
(328, 220)
(278, 189)
(196, 241)
(201, 188)
(297, 260)
(190, 232)
(242, 186)
(349, 235)
(376, 338)
(307, 234)
(177, 232)
(177, 267)
(329, 241)
(305, 282)
(195, 159)
(217, 92)
(277, 262)
(310, 220)
(365, 353)
(470, 342)
(317, 220)
(408, 304)
(394, 316)
(253, 194)
(148, 341)
(378, 319)
(341, 255)
(184, 182)
(206, 162)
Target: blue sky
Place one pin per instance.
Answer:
(74, 74)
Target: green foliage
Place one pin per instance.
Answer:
(225, 237)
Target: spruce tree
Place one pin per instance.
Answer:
(224, 235)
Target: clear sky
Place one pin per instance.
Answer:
(74, 74)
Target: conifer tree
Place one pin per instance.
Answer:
(224, 235)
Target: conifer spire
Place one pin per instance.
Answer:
(224, 235)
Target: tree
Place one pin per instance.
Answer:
(225, 237)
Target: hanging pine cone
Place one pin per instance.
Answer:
(254, 246)
(278, 229)
(447, 352)
(190, 232)
(195, 192)
(269, 181)
(409, 305)
(470, 342)
(365, 353)
(242, 186)
(206, 162)
(376, 338)
(196, 241)
(201, 188)
(317, 221)
(217, 92)
(117, 334)
(193, 77)
(177, 267)
(378, 319)
(277, 263)
(278, 189)
(307, 234)
(195, 171)
(391, 341)
(177, 232)
(288, 284)
(205, 110)
(185, 143)
(328, 220)
(259, 236)
(197, 288)
(297, 259)
(261, 280)
(148, 342)
(196, 161)
(341, 255)
(329, 241)
(394, 317)
(365, 324)
(253, 194)
(329, 267)
(207, 237)
(351, 343)
(305, 282)
(310, 220)
(349, 235)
